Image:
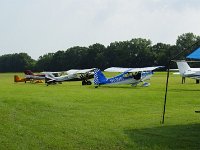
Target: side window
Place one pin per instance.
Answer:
(129, 74)
(137, 76)
(126, 75)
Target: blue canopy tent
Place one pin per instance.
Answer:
(195, 54)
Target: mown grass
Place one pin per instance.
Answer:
(71, 116)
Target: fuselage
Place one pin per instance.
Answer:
(128, 78)
(35, 77)
(191, 74)
(71, 77)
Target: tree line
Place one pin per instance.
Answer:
(137, 52)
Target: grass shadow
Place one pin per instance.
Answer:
(181, 90)
(166, 137)
(123, 86)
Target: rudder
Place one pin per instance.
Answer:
(182, 66)
(99, 77)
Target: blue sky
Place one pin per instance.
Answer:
(41, 26)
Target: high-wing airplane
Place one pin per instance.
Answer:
(132, 76)
(186, 71)
(72, 75)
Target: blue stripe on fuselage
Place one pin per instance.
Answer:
(118, 78)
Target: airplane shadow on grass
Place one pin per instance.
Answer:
(121, 86)
(167, 137)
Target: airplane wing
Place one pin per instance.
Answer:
(72, 71)
(119, 69)
(57, 73)
(86, 70)
(79, 71)
(144, 69)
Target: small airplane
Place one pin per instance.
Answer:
(132, 76)
(185, 71)
(30, 76)
(33, 78)
(18, 79)
(72, 75)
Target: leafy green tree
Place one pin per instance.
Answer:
(44, 62)
(116, 54)
(187, 42)
(74, 57)
(58, 61)
(95, 56)
(161, 54)
(16, 62)
(141, 53)
(137, 52)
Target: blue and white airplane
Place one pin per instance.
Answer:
(132, 76)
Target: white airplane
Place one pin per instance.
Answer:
(186, 71)
(72, 75)
(132, 76)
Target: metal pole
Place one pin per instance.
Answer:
(166, 89)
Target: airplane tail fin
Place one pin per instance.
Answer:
(28, 72)
(182, 66)
(99, 77)
(18, 79)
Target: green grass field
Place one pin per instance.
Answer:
(71, 116)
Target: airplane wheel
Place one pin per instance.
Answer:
(84, 83)
(89, 82)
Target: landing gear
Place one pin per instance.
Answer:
(197, 81)
(89, 82)
(145, 84)
(83, 82)
(86, 82)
